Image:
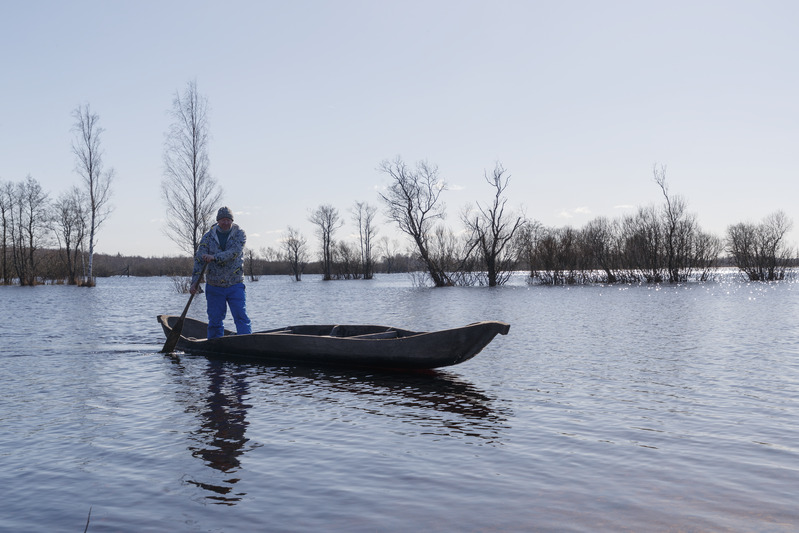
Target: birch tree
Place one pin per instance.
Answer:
(191, 194)
(96, 180)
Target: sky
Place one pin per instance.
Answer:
(578, 100)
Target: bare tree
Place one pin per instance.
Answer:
(412, 200)
(388, 249)
(271, 260)
(679, 228)
(97, 181)
(600, 239)
(707, 249)
(191, 194)
(364, 214)
(759, 250)
(642, 244)
(251, 259)
(556, 257)
(6, 205)
(526, 242)
(493, 230)
(346, 261)
(776, 226)
(69, 225)
(454, 254)
(29, 228)
(296, 252)
(327, 221)
(269, 254)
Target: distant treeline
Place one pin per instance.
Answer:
(254, 265)
(45, 242)
(555, 261)
(52, 270)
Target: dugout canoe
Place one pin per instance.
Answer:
(350, 345)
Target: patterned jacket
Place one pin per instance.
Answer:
(227, 268)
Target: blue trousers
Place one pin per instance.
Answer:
(218, 299)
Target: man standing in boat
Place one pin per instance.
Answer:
(222, 247)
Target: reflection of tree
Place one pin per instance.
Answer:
(220, 438)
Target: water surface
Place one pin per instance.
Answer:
(606, 408)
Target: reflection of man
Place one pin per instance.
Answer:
(221, 436)
(222, 247)
(224, 418)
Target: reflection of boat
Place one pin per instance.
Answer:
(221, 394)
(353, 345)
(431, 399)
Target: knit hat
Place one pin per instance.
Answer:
(224, 212)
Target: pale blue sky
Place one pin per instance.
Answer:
(577, 99)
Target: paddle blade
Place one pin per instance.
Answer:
(177, 329)
(174, 337)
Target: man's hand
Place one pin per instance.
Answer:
(208, 258)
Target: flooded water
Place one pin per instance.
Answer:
(616, 408)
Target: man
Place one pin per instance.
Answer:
(222, 247)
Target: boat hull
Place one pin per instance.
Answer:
(350, 345)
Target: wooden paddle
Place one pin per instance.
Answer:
(177, 329)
